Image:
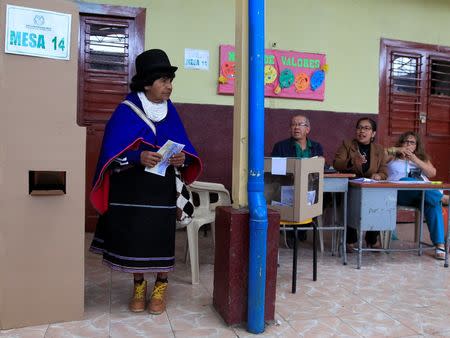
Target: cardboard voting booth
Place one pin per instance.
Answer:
(294, 187)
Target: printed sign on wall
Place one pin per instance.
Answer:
(196, 59)
(37, 32)
(287, 74)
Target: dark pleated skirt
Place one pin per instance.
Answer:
(137, 233)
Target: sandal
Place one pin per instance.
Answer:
(377, 245)
(350, 248)
(439, 253)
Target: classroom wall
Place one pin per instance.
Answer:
(347, 31)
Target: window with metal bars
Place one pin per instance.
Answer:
(405, 73)
(415, 96)
(104, 66)
(107, 47)
(440, 78)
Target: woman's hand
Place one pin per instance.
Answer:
(376, 177)
(404, 152)
(409, 155)
(359, 159)
(150, 158)
(177, 159)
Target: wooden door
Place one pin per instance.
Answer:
(415, 95)
(110, 39)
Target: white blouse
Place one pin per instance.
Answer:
(398, 168)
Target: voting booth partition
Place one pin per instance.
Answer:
(42, 165)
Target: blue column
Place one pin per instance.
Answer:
(256, 201)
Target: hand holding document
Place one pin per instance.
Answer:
(167, 150)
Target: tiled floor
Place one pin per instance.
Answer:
(393, 295)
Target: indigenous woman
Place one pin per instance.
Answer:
(136, 232)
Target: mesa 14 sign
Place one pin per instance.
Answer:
(287, 74)
(37, 32)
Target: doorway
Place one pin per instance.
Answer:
(415, 95)
(110, 39)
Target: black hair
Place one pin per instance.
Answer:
(373, 124)
(137, 84)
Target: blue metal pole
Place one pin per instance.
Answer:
(256, 201)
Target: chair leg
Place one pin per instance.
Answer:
(213, 233)
(285, 236)
(192, 234)
(314, 251)
(385, 239)
(294, 262)
(186, 248)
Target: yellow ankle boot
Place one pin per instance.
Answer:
(137, 303)
(157, 304)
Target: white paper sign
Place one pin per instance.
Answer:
(279, 166)
(287, 195)
(37, 32)
(196, 59)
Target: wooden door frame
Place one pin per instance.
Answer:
(135, 13)
(138, 15)
(382, 80)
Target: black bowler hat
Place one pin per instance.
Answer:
(153, 61)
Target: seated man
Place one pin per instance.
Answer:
(298, 145)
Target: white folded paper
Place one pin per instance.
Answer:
(167, 150)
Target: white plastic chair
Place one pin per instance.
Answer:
(204, 213)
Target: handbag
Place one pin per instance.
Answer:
(185, 206)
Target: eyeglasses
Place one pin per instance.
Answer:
(365, 128)
(411, 142)
(302, 124)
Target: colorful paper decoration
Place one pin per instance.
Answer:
(286, 78)
(270, 74)
(301, 82)
(287, 74)
(317, 79)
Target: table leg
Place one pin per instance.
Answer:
(334, 218)
(422, 208)
(344, 238)
(447, 241)
(294, 262)
(359, 249)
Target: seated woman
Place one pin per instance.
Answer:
(365, 159)
(409, 161)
